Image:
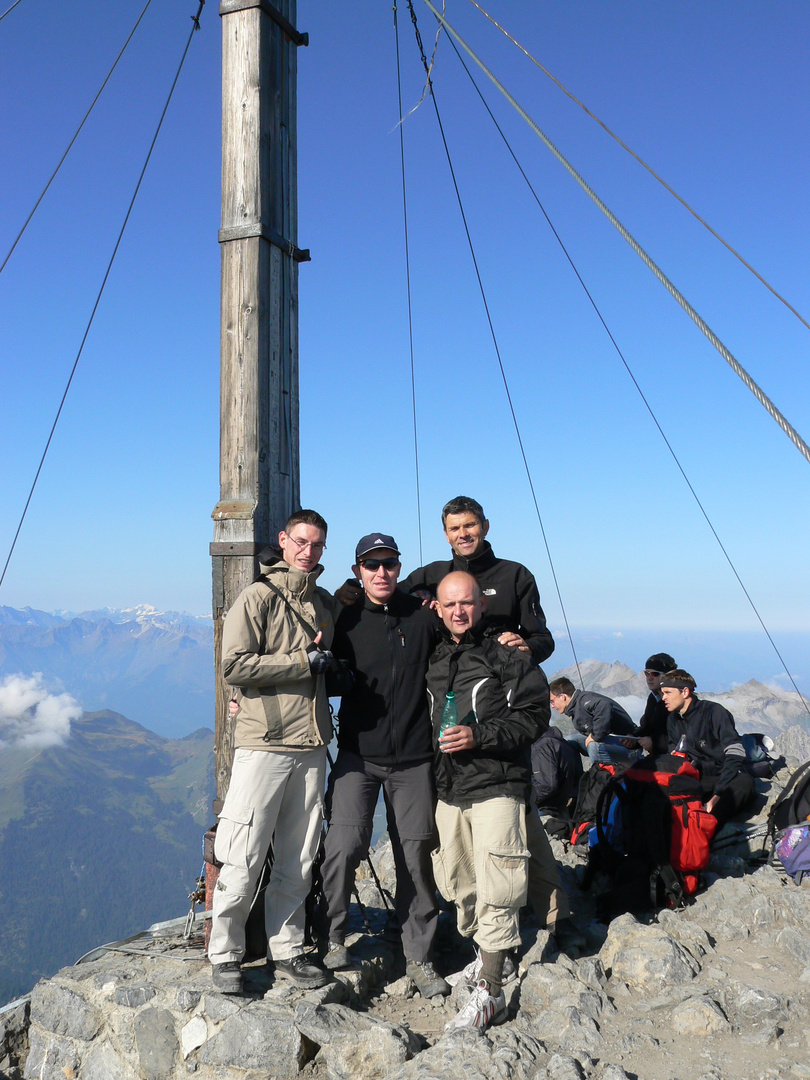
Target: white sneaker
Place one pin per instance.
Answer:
(469, 974)
(472, 972)
(481, 1011)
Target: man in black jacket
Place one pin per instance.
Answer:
(384, 740)
(483, 780)
(513, 602)
(653, 724)
(707, 733)
(600, 723)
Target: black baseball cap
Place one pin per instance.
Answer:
(374, 542)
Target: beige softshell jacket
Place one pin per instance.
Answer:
(264, 642)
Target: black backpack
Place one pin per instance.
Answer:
(574, 829)
(792, 807)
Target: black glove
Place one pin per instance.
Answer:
(320, 660)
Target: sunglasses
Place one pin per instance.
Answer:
(649, 671)
(375, 564)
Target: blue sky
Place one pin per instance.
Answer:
(713, 96)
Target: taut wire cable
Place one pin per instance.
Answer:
(408, 285)
(705, 329)
(495, 343)
(10, 9)
(73, 140)
(644, 165)
(196, 20)
(633, 378)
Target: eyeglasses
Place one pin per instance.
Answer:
(302, 545)
(649, 671)
(375, 564)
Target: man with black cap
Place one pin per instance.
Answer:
(653, 725)
(706, 733)
(384, 739)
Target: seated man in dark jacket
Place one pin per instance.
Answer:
(600, 722)
(707, 733)
(556, 772)
(483, 783)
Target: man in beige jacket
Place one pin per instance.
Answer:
(275, 644)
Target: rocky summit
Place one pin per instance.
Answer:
(717, 991)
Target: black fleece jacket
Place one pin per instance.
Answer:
(384, 718)
(712, 740)
(513, 602)
(504, 698)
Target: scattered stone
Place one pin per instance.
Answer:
(57, 1009)
(193, 1035)
(699, 1017)
(157, 1043)
(402, 988)
(133, 996)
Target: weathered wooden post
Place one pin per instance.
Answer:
(259, 473)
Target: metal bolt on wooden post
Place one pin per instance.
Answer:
(259, 468)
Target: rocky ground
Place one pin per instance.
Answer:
(718, 991)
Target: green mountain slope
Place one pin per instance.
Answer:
(98, 839)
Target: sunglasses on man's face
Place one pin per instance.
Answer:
(374, 564)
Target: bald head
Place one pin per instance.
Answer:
(460, 603)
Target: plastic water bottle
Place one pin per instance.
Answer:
(449, 715)
(680, 749)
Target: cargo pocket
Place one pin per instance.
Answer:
(442, 875)
(505, 879)
(232, 845)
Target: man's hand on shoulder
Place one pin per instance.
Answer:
(513, 640)
(349, 593)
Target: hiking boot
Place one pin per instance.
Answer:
(227, 977)
(481, 1011)
(300, 971)
(472, 972)
(428, 981)
(336, 956)
(568, 936)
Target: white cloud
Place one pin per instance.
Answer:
(33, 716)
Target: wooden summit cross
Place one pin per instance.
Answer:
(259, 465)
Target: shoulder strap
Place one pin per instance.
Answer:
(277, 592)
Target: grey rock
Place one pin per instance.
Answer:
(103, 1062)
(636, 1041)
(59, 1010)
(14, 1036)
(133, 997)
(753, 1009)
(795, 943)
(647, 957)
(502, 1053)
(220, 1006)
(614, 1072)
(157, 1043)
(563, 1067)
(257, 1033)
(188, 1000)
(700, 1017)
(50, 1057)
(591, 971)
(353, 1045)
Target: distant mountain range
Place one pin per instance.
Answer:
(100, 836)
(155, 666)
